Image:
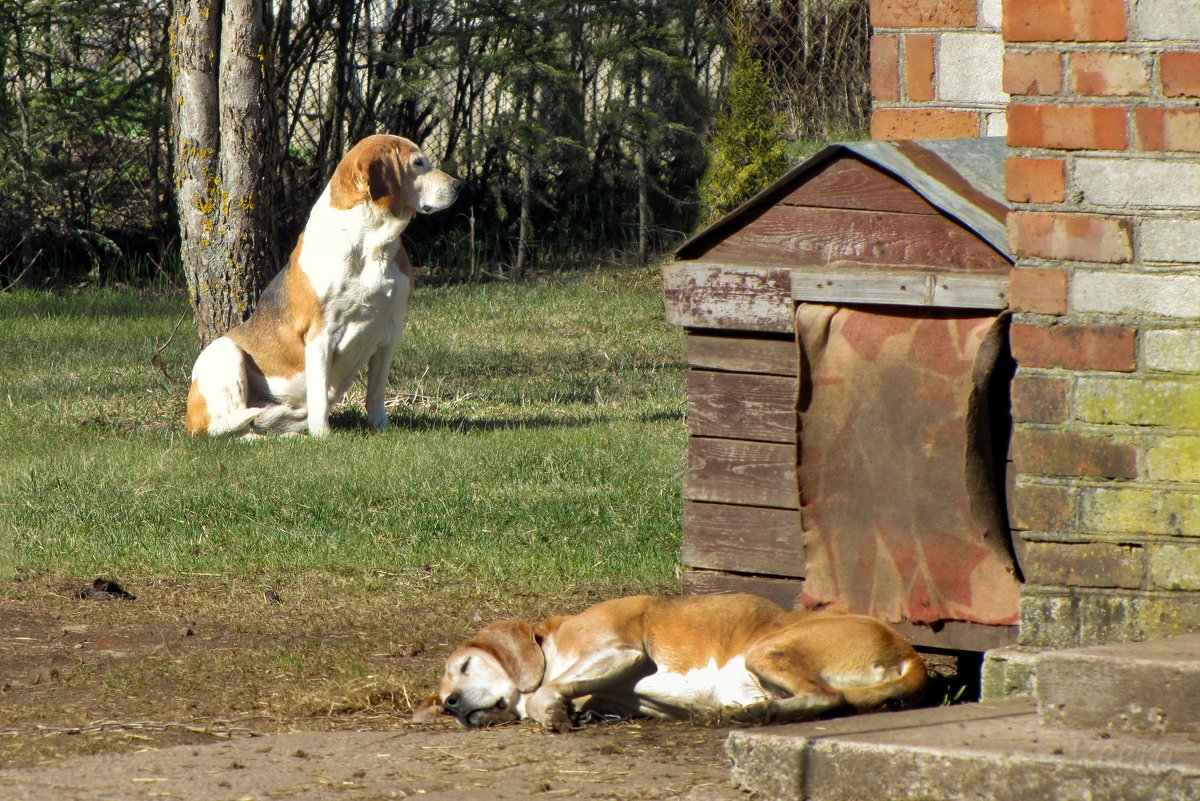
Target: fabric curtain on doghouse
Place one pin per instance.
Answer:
(899, 502)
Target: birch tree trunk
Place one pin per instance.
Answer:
(220, 113)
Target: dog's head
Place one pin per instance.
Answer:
(486, 676)
(393, 174)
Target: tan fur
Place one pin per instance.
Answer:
(197, 418)
(673, 657)
(274, 336)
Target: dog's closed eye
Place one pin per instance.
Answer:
(463, 668)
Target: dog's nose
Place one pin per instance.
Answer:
(451, 701)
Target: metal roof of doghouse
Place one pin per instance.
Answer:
(963, 178)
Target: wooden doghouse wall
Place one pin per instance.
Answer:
(847, 233)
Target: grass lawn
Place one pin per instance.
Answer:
(536, 446)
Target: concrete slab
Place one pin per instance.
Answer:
(1151, 686)
(973, 752)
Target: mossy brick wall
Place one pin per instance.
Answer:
(936, 69)
(1104, 177)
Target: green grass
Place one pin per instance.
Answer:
(537, 438)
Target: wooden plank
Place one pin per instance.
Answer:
(957, 635)
(971, 291)
(795, 236)
(848, 183)
(739, 298)
(748, 473)
(744, 539)
(782, 591)
(742, 406)
(952, 635)
(901, 288)
(742, 354)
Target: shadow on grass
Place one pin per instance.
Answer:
(350, 420)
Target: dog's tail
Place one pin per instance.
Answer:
(902, 690)
(218, 401)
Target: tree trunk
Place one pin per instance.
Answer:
(218, 55)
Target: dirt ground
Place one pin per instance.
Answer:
(208, 689)
(204, 689)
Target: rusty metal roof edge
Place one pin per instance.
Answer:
(978, 160)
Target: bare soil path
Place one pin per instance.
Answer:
(205, 691)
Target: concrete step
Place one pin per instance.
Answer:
(973, 752)
(1151, 686)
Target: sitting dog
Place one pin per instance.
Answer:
(338, 305)
(738, 655)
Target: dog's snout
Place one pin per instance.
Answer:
(452, 701)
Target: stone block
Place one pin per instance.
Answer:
(1084, 564)
(1129, 510)
(970, 68)
(1174, 459)
(1139, 402)
(1174, 239)
(1136, 293)
(1140, 182)
(1149, 687)
(1174, 567)
(1171, 350)
(1009, 673)
(1168, 19)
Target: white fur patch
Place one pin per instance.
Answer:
(708, 688)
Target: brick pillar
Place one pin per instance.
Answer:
(936, 69)
(1104, 177)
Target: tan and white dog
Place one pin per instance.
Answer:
(337, 306)
(738, 655)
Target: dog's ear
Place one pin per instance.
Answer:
(513, 644)
(427, 710)
(385, 178)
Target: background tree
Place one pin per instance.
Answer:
(749, 145)
(222, 116)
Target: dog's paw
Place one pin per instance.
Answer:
(755, 714)
(552, 711)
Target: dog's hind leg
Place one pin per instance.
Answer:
(278, 418)
(782, 670)
(218, 401)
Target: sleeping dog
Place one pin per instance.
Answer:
(736, 655)
(338, 305)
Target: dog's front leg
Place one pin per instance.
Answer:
(377, 377)
(591, 673)
(318, 352)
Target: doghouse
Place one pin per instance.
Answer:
(848, 391)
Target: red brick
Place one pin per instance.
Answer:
(1035, 180)
(1064, 21)
(918, 66)
(1038, 291)
(1068, 127)
(923, 13)
(1180, 73)
(923, 123)
(1108, 74)
(1075, 347)
(1064, 453)
(1084, 564)
(885, 68)
(1073, 237)
(1168, 129)
(1042, 508)
(1032, 73)
(1039, 399)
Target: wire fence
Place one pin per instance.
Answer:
(608, 103)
